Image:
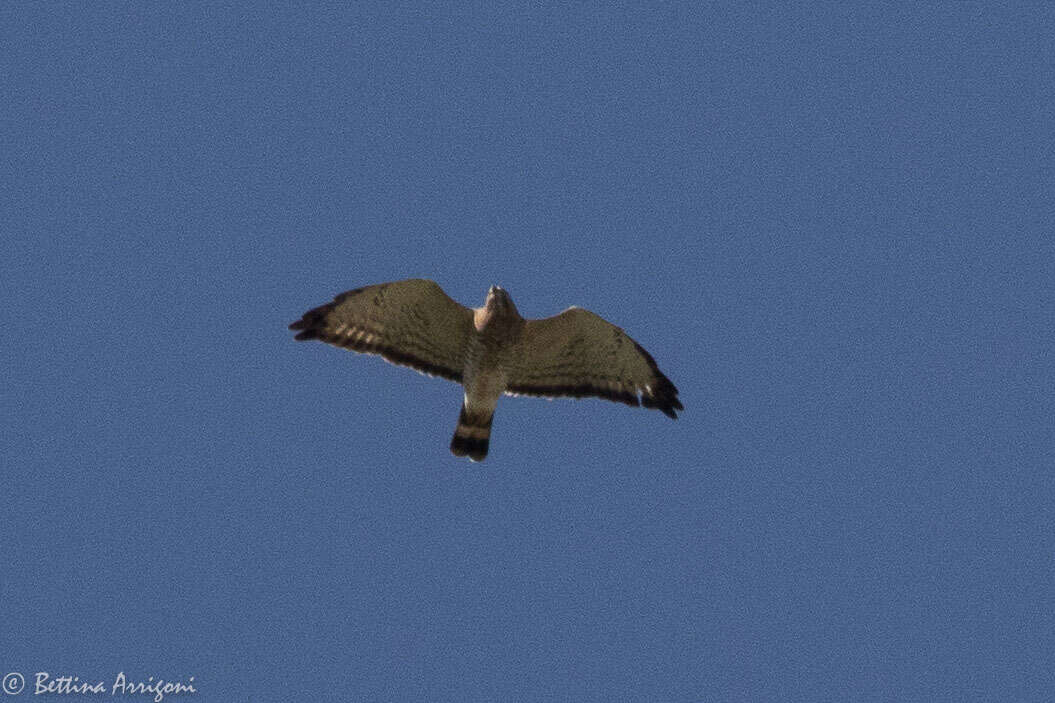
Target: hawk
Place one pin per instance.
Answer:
(491, 351)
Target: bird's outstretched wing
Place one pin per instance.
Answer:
(578, 353)
(411, 323)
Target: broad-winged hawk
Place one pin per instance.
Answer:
(491, 350)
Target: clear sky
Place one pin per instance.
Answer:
(831, 225)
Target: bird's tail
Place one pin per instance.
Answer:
(473, 434)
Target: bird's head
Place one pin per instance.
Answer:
(500, 304)
(497, 297)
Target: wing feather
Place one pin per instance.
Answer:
(578, 354)
(410, 323)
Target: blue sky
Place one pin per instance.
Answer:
(831, 225)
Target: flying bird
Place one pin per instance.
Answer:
(491, 351)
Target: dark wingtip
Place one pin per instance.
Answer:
(312, 322)
(664, 395)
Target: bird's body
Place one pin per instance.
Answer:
(491, 351)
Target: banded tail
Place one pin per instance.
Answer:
(472, 435)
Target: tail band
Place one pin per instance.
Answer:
(472, 436)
